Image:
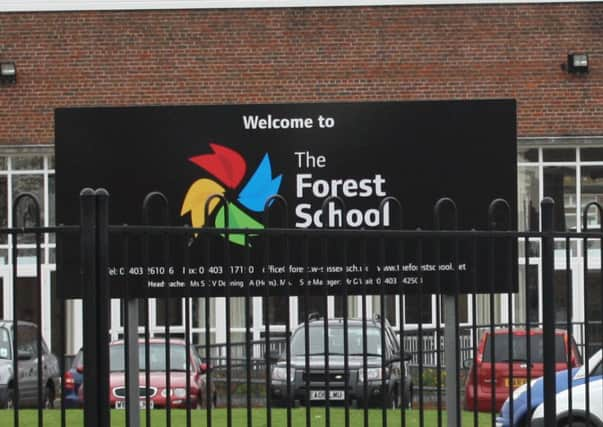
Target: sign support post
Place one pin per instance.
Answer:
(451, 352)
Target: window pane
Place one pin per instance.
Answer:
(560, 184)
(175, 311)
(51, 201)
(51, 161)
(339, 306)
(417, 310)
(198, 312)
(3, 163)
(390, 307)
(316, 304)
(559, 154)
(592, 191)
(278, 310)
(3, 208)
(529, 278)
(26, 212)
(594, 154)
(237, 312)
(528, 199)
(527, 154)
(28, 163)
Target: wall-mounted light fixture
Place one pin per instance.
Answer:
(8, 72)
(577, 63)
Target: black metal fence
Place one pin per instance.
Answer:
(339, 362)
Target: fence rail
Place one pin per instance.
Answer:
(356, 367)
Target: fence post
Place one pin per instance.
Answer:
(94, 241)
(548, 311)
(87, 249)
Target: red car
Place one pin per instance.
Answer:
(180, 357)
(519, 364)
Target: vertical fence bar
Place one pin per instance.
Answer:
(44, 394)
(265, 307)
(103, 299)
(187, 328)
(587, 328)
(528, 326)
(63, 330)
(130, 309)
(208, 358)
(90, 307)
(388, 397)
(15, 390)
(306, 258)
(569, 299)
(548, 311)
(420, 333)
(475, 338)
(346, 338)
(168, 351)
(491, 340)
(365, 393)
(246, 280)
(227, 278)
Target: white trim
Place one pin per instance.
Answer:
(78, 5)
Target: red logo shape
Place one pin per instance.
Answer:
(225, 164)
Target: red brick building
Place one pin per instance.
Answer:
(453, 50)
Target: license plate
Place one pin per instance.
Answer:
(516, 382)
(121, 404)
(321, 395)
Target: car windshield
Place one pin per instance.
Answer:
(178, 359)
(335, 341)
(4, 344)
(520, 349)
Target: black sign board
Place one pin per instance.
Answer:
(417, 152)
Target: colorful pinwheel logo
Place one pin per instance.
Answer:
(228, 168)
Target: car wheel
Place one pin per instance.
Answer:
(49, 397)
(394, 398)
(10, 398)
(407, 397)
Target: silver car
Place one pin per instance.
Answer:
(28, 360)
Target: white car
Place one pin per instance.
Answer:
(580, 417)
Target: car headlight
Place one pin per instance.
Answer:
(279, 373)
(371, 374)
(179, 393)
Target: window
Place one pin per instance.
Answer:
(33, 173)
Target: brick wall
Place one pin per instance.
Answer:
(300, 55)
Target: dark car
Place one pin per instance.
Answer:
(511, 364)
(28, 362)
(398, 384)
(73, 381)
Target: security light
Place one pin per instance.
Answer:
(8, 72)
(577, 63)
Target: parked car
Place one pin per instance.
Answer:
(398, 383)
(73, 380)
(521, 408)
(28, 360)
(579, 417)
(180, 357)
(511, 364)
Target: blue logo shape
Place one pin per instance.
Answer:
(260, 187)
